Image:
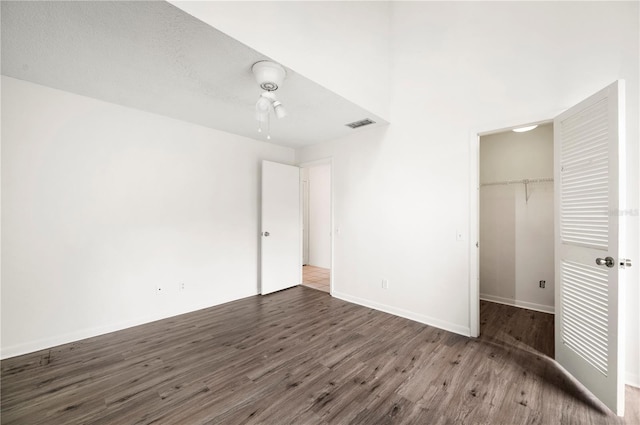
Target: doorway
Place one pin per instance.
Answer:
(516, 237)
(589, 183)
(316, 225)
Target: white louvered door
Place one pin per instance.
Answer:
(589, 309)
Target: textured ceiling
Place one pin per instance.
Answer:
(155, 57)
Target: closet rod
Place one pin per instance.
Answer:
(522, 181)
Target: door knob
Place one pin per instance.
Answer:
(607, 261)
(265, 233)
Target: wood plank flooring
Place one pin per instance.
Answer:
(316, 278)
(301, 357)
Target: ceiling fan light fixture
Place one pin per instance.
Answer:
(263, 104)
(279, 109)
(262, 109)
(269, 76)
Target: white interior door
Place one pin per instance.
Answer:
(589, 141)
(280, 246)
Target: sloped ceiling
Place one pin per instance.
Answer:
(155, 57)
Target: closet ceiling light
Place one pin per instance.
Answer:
(523, 129)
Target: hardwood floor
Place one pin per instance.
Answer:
(316, 278)
(526, 330)
(301, 357)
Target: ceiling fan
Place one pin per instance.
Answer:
(269, 76)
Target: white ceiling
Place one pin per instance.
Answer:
(155, 57)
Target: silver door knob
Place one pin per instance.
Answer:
(607, 261)
(265, 233)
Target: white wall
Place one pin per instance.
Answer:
(498, 243)
(340, 45)
(102, 203)
(516, 235)
(319, 178)
(509, 155)
(402, 193)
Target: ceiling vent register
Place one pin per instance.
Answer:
(360, 123)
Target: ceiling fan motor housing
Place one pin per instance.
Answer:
(269, 75)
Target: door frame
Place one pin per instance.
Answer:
(474, 202)
(304, 185)
(310, 164)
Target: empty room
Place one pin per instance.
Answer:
(283, 212)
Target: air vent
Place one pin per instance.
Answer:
(360, 123)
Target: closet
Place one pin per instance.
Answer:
(516, 220)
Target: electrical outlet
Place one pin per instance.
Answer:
(543, 283)
(181, 286)
(385, 284)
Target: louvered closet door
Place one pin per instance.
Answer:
(588, 142)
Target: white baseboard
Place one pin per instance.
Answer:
(632, 380)
(515, 303)
(54, 341)
(447, 326)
